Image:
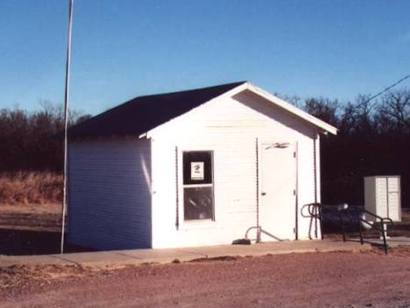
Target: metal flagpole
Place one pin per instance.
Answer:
(66, 101)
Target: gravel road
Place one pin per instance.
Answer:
(305, 280)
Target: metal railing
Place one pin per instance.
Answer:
(379, 223)
(351, 216)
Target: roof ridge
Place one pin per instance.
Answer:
(134, 99)
(237, 83)
(142, 113)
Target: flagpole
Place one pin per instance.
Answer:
(66, 116)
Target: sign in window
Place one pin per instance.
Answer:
(198, 185)
(197, 171)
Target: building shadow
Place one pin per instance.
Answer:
(29, 242)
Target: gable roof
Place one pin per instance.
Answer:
(143, 113)
(292, 109)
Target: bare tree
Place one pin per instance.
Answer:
(394, 112)
(324, 109)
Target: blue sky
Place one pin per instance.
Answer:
(122, 49)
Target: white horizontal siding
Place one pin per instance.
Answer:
(109, 194)
(229, 127)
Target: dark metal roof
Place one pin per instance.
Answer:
(144, 113)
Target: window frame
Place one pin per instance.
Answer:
(211, 185)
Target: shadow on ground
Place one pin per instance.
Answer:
(28, 242)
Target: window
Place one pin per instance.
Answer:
(198, 185)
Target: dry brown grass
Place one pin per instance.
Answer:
(30, 188)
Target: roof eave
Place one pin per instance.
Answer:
(325, 127)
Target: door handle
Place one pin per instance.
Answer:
(263, 193)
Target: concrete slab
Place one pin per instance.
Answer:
(140, 256)
(99, 259)
(163, 255)
(391, 241)
(285, 247)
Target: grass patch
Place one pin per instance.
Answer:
(30, 188)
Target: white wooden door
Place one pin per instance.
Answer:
(278, 182)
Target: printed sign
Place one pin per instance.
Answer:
(197, 170)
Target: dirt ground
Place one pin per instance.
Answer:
(294, 280)
(31, 217)
(29, 228)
